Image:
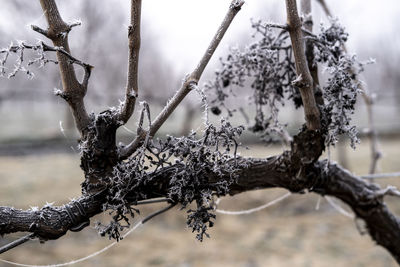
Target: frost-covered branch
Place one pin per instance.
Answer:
(73, 91)
(132, 89)
(366, 200)
(195, 169)
(306, 10)
(304, 80)
(190, 81)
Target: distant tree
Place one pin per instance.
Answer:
(281, 67)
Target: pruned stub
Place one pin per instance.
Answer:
(99, 152)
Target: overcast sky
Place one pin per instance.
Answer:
(184, 27)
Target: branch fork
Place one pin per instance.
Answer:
(189, 84)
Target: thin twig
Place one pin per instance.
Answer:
(152, 201)
(249, 211)
(285, 27)
(137, 225)
(189, 83)
(338, 208)
(151, 216)
(16, 243)
(381, 175)
(276, 25)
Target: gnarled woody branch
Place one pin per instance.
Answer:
(304, 80)
(189, 83)
(73, 90)
(131, 93)
(366, 200)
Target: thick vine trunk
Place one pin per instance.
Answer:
(284, 171)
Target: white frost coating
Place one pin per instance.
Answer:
(34, 208)
(339, 208)
(241, 212)
(77, 260)
(48, 205)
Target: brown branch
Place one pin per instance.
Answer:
(304, 80)
(73, 90)
(366, 200)
(132, 89)
(306, 11)
(189, 83)
(369, 102)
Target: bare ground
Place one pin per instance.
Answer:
(292, 233)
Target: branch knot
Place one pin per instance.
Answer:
(236, 4)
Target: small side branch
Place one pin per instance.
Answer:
(190, 82)
(306, 10)
(381, 175)
(304, 79)
(161, 211)
(17, 242)
(132, 89)
(40, 30)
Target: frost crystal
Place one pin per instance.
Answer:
(192, 161)
(266, 67)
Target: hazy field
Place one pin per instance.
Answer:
(293, 233)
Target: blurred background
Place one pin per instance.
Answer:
(39, 162)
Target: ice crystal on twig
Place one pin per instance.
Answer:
(266, 67)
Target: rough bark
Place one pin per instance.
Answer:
(306, 10)
(366, 200)
(73, 90)
(297, 170)
(304, 80)
(132, 87)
